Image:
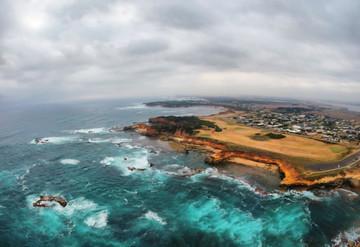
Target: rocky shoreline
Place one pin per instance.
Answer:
(291, 177)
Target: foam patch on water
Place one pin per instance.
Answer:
(119, 140)
(89, 131)
(111, 140)
(138, 106)
(176, 170)
(21, 178)
(69, 161)
(54, 140)
(214, 173)
(345, 237)
(136, 160)
(154, 216)
(292, 194)
(99, 220)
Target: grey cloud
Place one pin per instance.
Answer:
(143, 47)
(183, 15)
(79, 8)
(216, 56)
(170, 46)
(6, 16)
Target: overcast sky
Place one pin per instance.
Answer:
(88, 49)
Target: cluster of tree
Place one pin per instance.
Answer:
(187, 124)
(292, 109)
(275, 136)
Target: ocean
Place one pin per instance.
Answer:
(109, 205)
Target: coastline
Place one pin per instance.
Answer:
(292, 177)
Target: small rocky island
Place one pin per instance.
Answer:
(45, 201)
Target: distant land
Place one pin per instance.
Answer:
(310, 145)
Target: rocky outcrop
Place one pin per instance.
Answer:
(45, 201)
(143, 129)
(197, 170)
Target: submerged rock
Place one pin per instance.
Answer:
(136, 169)
(41, 140)
(197, 170)
(43, 202)
(116, 129)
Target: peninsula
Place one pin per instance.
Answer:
(284, 137)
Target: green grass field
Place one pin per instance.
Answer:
(337, 150)
(232, 123)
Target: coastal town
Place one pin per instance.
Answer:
(295, 117)
(315, 125)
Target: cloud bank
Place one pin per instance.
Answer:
(88, 49)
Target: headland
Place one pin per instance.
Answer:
(283, 137)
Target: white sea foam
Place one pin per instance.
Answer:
(89, 131)
(119, 140)
(112, 140)
(69, 161)
(178, 170)
(214, 173)
(154, 216)
(21, 179)
(54, 140)
(343, 238)
(107, 161)
(138, 106)
(137, 160)
(99, 220)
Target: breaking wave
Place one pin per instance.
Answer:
(54, 140)
(69, 161)
(99, 220)
(154, 216)
(89, 131)
(138, 106)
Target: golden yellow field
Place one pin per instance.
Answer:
(292, 145)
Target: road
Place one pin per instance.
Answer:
(333, 165)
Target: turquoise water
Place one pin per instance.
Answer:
(109, 205)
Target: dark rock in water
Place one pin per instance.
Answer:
(125, 158)
(153, 151)
(40, 140)
(44, 199)
(151, 164)
(119, 144)
(136, 169)
(197, 170)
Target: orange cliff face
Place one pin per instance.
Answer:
(205, 143)
(289, 173)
